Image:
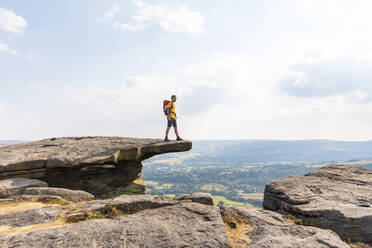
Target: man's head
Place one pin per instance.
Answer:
(174, 98)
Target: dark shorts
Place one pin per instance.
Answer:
(172, 122)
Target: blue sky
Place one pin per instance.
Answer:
(242, 69)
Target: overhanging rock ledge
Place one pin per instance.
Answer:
(103, 166)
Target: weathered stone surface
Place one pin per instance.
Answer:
(67, 194)
(103, 166)
(203, 198)
(336, 197)
(270, 229)
(17, 186)
(157, 224)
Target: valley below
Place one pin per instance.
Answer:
(236, 172)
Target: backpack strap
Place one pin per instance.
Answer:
(173, 109)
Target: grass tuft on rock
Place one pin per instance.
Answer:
(237, 229)
(358, 245)
(291, 219)
(108, 212)
(54, 201)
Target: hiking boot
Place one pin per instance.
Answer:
(166, 139)
(179, 138)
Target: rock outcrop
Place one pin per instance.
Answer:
(124, 221)
(103, 166)
(44, 202)
(336, 197)
(255, 228)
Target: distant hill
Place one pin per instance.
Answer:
(11, 142)
(240, 152)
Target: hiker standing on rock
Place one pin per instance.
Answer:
(170, 112)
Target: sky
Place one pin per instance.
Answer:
(241, 69)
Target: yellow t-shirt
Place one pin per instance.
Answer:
(172, 110)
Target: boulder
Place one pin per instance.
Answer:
(17, 186)
(103, 166)
(203, 198)
(67, 194)
(336, 197)
(270, 229)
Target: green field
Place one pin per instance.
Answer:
(255, 196)
(159, 186)
(217, 199)
(213, 186)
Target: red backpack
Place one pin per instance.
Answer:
(165, 106)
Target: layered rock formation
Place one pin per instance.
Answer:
(336, 197)
(103, 166)
(124, 221)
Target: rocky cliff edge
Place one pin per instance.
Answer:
(103, 166)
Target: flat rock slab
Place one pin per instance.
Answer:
(66, 152)
(270, 229)
(336, 197)
(17, 186)
(182, 224)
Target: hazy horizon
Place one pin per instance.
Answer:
(207, 140)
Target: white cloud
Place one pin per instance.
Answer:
(340, 76)
(112, 11)
(31, 56)
(129, 27)
(175, 19)
(11, 22)
(4, 48)
(190, 83)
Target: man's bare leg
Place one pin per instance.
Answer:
(167, 132)
(176, 131)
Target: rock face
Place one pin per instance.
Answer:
(133, 221)
(103, 166)
(336, 197)
(270, 229)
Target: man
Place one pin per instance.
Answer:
(171, 114)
